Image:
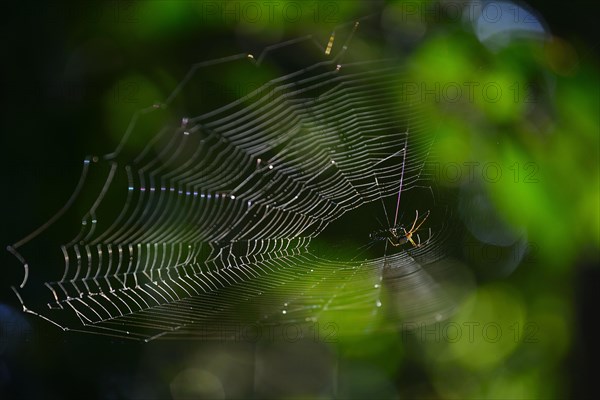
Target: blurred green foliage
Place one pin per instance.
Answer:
(531, 108)
(544, 141)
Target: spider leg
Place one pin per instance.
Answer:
(366, 246)
(424, 219)
(412, 242)
(412, 228)
(393, 244)
(382, 204)
(364, 249)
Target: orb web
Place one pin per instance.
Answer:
(224, 220)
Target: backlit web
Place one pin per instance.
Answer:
(254, 213)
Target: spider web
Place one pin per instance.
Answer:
(255, 213)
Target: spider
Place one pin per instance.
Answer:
(398, 235)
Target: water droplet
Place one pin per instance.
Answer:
(284, 312)
(378, 303)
